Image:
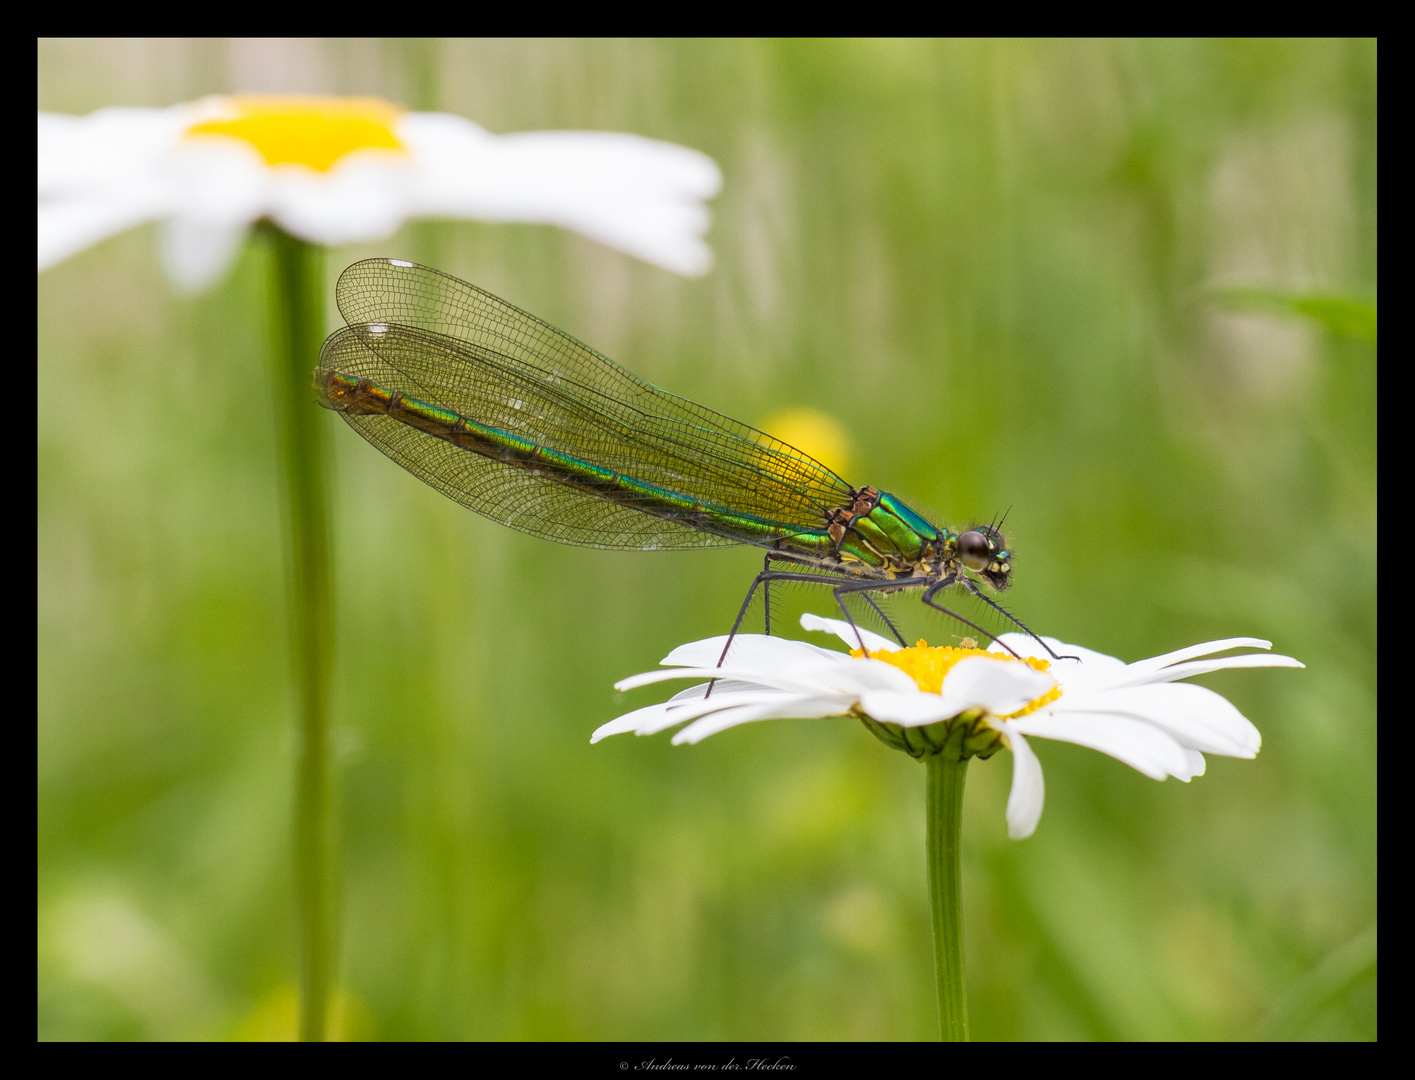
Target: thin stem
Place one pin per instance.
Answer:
(297, 305)
(946, 776)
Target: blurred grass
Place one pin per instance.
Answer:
(996, 264)
(1345, 316)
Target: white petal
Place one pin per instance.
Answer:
(840, 677)
(647, 717)
(850, 635)
(1142, 746)
(803, 709)
(1024, 645)
(777, 662)
(648, 678)
(196, 256)
(88, 156)
(69, 226)
(748, 650)
(639, 195)
(1000, 686)
(756, 678)
(678, 709)
(1196, 764)
(217, 182)
(365, 197)
(851, 676)
(102, 173)
(1202, 649)
(1024, 801)
(771, 700)
(910, 709)
(1175, 672)
(720, 686)
(1198, 718)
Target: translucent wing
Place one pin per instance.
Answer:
(505, 493)
(450, 344)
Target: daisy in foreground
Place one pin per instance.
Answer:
(946, 705)
(332, 170)
(312, 171)
(923, 700)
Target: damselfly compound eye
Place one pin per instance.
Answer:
(975, 550)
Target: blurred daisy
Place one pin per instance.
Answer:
(923, 699)
(340, 170)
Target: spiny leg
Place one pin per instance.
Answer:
(766, 596)
(736, 623)
(769, 575)
(884, 618)
(852, 586)
(810, 579)
(950, 580)
(771, 556)
(864, 588)
(973, 589)
(840, 592)
(765, 578)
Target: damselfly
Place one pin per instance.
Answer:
(522, 423)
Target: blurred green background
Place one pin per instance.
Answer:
(1016, 272)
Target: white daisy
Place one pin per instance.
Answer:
(338, 170)
(970, 701)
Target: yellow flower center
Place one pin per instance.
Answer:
(927, 665)
(311, 131)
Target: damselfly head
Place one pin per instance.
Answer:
(983, 551)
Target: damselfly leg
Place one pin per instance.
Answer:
(973, 590)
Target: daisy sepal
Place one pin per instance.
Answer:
(957, 722)
(965, 735)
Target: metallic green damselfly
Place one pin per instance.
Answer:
(520, 422)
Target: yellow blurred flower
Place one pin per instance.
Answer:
(814, 433)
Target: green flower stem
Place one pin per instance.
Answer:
(946, 775)
(297, 306)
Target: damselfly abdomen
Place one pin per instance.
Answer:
(522, 423)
